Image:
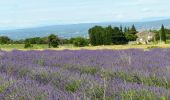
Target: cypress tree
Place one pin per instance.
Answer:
(133, 30)
(128, 30)
(131, 33)
(121, 29)
(125, 30)
(163, 33)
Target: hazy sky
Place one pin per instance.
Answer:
(32, 13)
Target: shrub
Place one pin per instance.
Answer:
(53, 41)
(28, 45)
(80, 42)
(4, 40)
(130, 37)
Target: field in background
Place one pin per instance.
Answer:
(10, 47)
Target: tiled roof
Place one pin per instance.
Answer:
(145, 34)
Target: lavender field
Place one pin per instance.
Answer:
(132, 74)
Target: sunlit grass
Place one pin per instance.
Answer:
(9, 47)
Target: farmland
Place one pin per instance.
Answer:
(132, 74)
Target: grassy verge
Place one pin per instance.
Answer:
(10, 47)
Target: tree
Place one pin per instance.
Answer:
(167, 33)
(118, 36)
(53, 41)
(99, 34)
(71, 40)
(108, 35)
(121, 29)
(64, 41)
(80, 42)
(37, 40)
(130, 37)
(28, 45)
(96, 35)
(115, 35)
(125, 30)
(163, 33)
(133, 30)
(130, 34)
(128, 29)
(92, 36)
(4, 40)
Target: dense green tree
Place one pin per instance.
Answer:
(118, 36)
(163, 33)
(121, 29)
(80, 42)
(157, 34)
(37, 40)
(130, 34)
(133, 30)
(101, 36)
(130, 37)
(5, 40)
(125, 29)
(71, 40)
(18, 41)
(96, 35)
(64, 41)
(53, 41)
(28, 44)
(115, 35)
(128, 30)
(167, 32)
(108, 35)
(92, 36)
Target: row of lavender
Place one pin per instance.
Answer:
(85, 74)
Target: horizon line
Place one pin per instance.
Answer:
(67, 24)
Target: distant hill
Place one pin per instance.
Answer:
(72, 30)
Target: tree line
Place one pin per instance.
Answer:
(111, 35)
(52, 41)
(98, 35)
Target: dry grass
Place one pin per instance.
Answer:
(70, 47)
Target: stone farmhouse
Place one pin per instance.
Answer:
(145, 37)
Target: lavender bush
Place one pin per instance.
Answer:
(132, 74)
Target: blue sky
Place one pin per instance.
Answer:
(33, 13)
